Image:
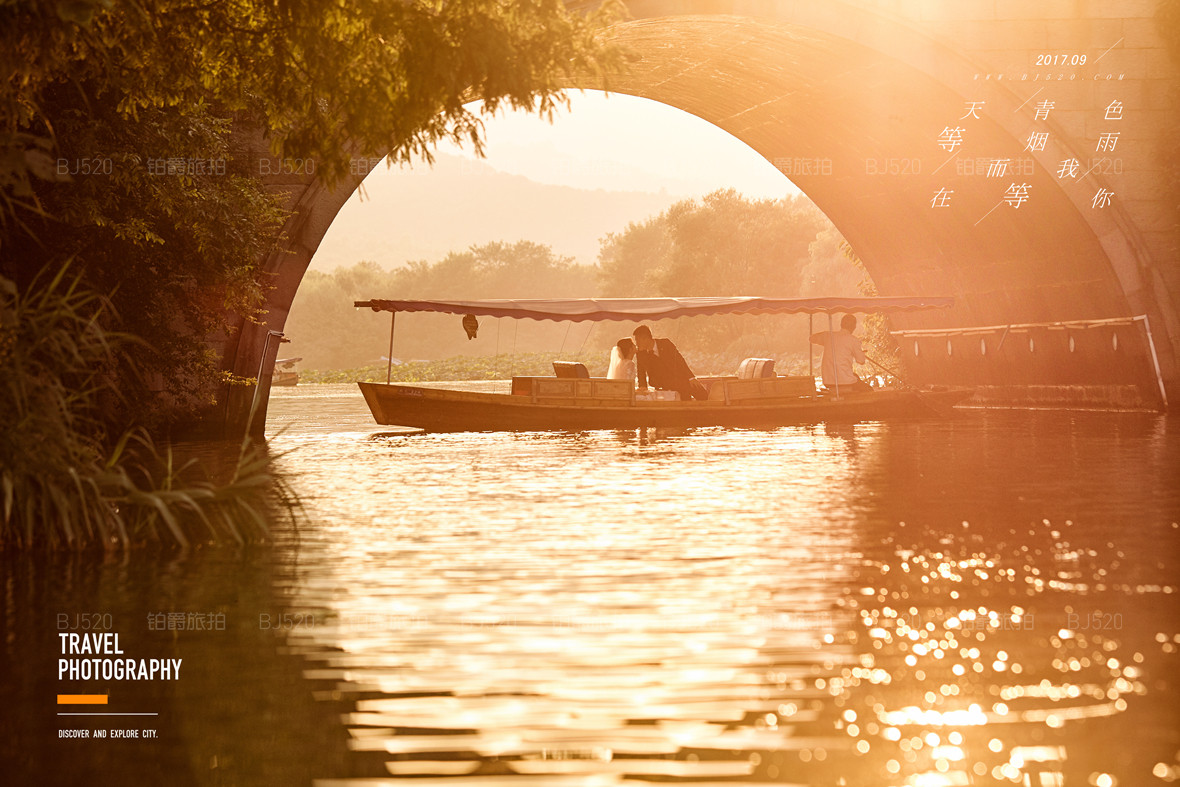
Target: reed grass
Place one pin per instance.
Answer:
(68, 478)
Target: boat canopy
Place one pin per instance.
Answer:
(582, 309)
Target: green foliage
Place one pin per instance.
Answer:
(176, 252)
(495, 270)
(831, 270)
(632, 263)
(328, 333)
(725, 244)
(504, 367)
(64, 481)
(126, 135)
(721, 245)
(728, 245)
(496, 367)
(311, 74)
(127, 131)
(879, 343)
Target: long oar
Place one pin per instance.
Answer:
(884, 368)
(938, 407)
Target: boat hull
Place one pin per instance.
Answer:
(444, 410)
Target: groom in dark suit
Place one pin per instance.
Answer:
(660, 363)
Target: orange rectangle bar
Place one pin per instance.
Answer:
(81, 699)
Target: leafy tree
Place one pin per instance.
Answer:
(324, 328)
(65, 480)
(633, 263)
(496, 270)
(728, 245)
(311, 74)
(725, 244)
(176, 252)
(125, 129)
(831, 268)
(879, 342)
(328, 333)
(122, 126)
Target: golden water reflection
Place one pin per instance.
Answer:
(791, 606)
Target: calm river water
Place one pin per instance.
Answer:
(986, 599)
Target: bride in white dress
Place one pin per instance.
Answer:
(622, 361)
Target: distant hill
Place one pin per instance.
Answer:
(423, 213)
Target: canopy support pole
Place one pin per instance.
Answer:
(830, 349)
(1159, 378)
(810, 349)
(389, 364)
(564, 338)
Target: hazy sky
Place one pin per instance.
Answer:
(620, 142)
(614, 143)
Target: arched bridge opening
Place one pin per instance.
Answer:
(1006, 157)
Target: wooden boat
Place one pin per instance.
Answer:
(602, 404)
(286, 375)
(748, 399)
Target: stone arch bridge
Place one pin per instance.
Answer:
(1018, 156)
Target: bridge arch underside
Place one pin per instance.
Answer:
(858, 131)
(851, 109)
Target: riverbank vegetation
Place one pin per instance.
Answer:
(508, 365)
(722, 244)
(129, 150)
(328, 333)
(128, 136)
(494, 367)
(66, 479)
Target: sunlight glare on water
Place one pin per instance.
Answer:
(908, 603)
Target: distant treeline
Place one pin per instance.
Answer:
(507, 365)
(328, 333)
(722, 244)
